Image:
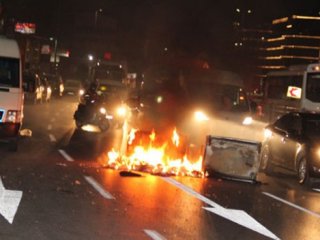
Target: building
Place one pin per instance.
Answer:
(294, 40)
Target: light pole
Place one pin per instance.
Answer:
(55, 53)
(96, 13)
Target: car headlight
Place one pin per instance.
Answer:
(81, 92)
(103, 110)
(247, 121)
(159, 99)
(200, 116)
(267, 133)
(109, 116)
(121, 111)
(13, 116)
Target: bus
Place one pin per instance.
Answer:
(11, 92)
(294, 89)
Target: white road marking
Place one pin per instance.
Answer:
(154, 234)
(49, 127)
(238, 216)
(316, 189)
(52, 138)
(65, 155)
(292, 204)
(99, 188)
(9, 202)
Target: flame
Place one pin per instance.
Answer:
(152, 136)
(175, 137)
(146, 152)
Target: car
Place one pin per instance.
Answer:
(292, 142)
(72, 87)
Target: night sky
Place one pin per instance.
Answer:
(191, 25)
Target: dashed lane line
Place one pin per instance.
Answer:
(292, 204)
(65, 155)
(154, 234)
(52, 138)
(98, 187)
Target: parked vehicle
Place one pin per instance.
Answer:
(293, 142)
(11, 92)
(72, 87)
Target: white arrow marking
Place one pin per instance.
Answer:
(238, 216)
(242, 218)
(9, 202)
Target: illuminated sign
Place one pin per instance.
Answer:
(294, 92)
(25, 28)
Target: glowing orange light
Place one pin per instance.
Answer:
(152, 136)
(155, 157)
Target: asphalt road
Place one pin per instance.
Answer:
(68, 193)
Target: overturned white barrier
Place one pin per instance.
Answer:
(232, 158)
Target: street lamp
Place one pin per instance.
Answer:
(90, 57)
(96, 16)
(90, 64)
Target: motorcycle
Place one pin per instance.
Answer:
(92, 115)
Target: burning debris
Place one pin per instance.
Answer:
(156, 154)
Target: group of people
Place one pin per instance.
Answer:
(40, 89)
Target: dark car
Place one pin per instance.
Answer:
(292, 142)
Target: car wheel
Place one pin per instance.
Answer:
(265, 160)
(303, 172)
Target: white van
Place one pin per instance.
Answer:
(11, 92)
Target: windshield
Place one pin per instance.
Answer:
(9, 72)
(313, 87)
